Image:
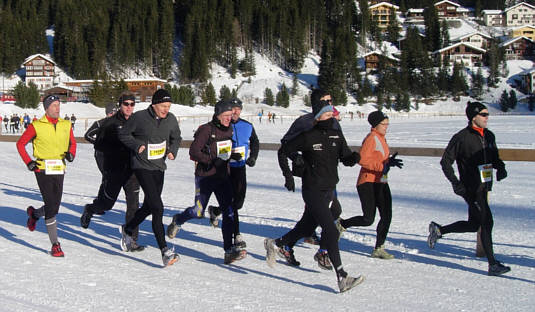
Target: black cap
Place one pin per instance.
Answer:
(222, 106)
(375, 118)
(473, 108)
(49, 99)
(235, 102)
(161, 96)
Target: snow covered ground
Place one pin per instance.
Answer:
(96, 275)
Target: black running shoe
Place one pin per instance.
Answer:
(498, 269)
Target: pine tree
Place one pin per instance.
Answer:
(208, 96)
(512, 99)
(392, 30)
(268, 97)
(432, 28)
(283, 97)
(224, 93)
(477, 83)
(27, 97)
(444, 34)
(504, 101)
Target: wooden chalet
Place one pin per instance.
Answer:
(527, 31)
(40, 70)
(372, 60)
(463, 52)
(492, 17)
(527, 81)
(519, 14)
(381, 12)
(448, 10)
(519, 48)
(142, 88)
(476, 39)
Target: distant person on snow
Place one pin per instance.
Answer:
(475, 151)
(53, 143)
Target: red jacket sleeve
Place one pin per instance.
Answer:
(72, 145)
(26, 137)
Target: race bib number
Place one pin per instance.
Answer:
(485, 172)
(54, 166)
(240, 150)
(384, 178)
(156, 151)
(224, 148)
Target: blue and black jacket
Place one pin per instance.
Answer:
(244, 135)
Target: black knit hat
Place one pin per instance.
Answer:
(375, 118)
(49, 99)
(128, 96)
(161, 96)
(222, 106)
(473, 108)
(235, 102)
(318, 106)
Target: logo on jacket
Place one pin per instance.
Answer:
(317, 147)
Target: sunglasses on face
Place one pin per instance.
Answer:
(129, 104)
(484, 114)
(326, 102)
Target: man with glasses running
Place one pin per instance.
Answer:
(475, 151)
(117, 171)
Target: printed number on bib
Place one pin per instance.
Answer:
(485, 172)
(156, 151)
(240, 150)
(54, 166)
(224, 148)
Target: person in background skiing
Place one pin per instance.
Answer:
(53, 142)
(211, 150)
(116, 168)
(372, 183)
(152, 135)
(475, 151)
(245, 142)
(322, 149)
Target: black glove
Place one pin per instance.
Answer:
(32, 165)
(501, 174)
(298, 166)
(289, 183)
(218, 162)
(250, 162)
(69, 156)
(236, 156)
(393, 161)
(459, 189)
(351, 160)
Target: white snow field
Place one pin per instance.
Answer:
(95, 275)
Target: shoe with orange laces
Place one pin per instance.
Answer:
(32, 221)
(56, 251)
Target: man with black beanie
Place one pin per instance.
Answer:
(151, 135)
(322, 148)
(211, 150)
(475, 151)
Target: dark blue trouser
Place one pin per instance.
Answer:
(222, 188)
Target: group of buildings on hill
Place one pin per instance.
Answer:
(512, 29)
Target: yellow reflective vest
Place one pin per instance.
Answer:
(51, 141)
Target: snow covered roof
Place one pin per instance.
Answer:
(520, 4)
(527, 71)
(31, 57)
(458, 44)
(384, 3)
(446, 1)
(492, 12)
(508, 42)
(523, 26)
(381, 54)
(472, 34)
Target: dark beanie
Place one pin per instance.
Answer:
(235, 102)
(111, 108)
(375, 118)
(318, 106)
(222, 106)
(473, 108)
(49, 99)
(128, 96)
(161, 96)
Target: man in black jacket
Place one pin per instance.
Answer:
(151, 135)
(115, 167)
(475, 151)
(322, 148)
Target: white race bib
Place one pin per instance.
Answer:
(54, 166)
(241, 151)
(156, 151)
(384, 178)
(224, 149)
(485, 172)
